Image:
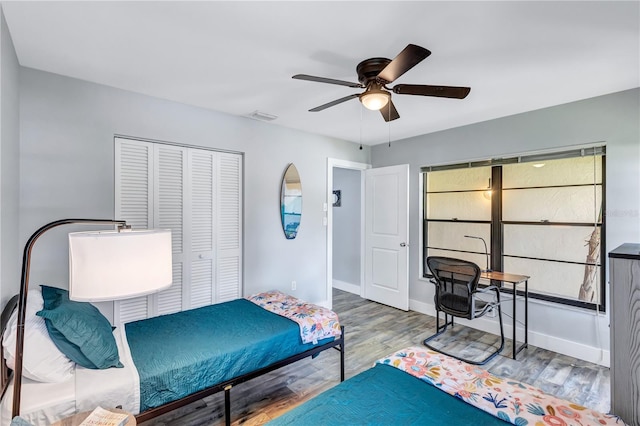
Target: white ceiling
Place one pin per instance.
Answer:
(238, 57)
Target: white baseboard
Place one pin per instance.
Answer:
(551, 343)
(345, 286)
(340, 285)
(325, 304)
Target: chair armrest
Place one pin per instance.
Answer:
(487, 289)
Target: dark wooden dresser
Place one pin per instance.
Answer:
(624, 279)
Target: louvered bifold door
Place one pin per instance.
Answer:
(202, 189)
(171, 212)
(134, 204)
(229, 225)
(197, 194)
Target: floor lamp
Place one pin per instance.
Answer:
(103, 265)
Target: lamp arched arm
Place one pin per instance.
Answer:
(24, 288)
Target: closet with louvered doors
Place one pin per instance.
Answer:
(197, 193)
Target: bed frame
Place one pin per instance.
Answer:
(338, 344)
(6, 375)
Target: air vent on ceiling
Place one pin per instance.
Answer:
(262, 116)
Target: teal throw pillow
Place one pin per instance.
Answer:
(79, 330)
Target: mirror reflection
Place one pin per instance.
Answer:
(291, 202)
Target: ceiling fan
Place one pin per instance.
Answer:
(375, 73)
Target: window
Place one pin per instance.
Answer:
(458, 203)
(539, 216)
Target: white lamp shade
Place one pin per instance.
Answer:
(110, 265)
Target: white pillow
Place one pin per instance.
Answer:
(42, 361)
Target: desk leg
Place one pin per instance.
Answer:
(525, 344)
(526, 313)
(514, 323)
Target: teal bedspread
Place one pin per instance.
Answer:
(385, 395)
(182, 353)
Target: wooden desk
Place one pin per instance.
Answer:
(514, 280)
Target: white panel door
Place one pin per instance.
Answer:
(386, 235)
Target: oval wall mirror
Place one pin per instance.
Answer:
(291, 202)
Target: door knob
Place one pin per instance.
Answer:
(403, 244)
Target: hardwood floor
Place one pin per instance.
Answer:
(373, 331)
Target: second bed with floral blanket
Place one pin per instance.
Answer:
(416, 386)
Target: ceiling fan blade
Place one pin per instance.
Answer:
(389, 112)
(326, 80)
(425, 90)
(407, 59)
(333, 103)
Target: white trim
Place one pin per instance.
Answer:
(545, 341)
(362, 230)
(524, 153)
(348, 287)
(325, 304)
(421, 249)
(342, 164)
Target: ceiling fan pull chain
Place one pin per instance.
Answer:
(360, 126)
(389, 124)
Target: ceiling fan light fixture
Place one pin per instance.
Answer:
(375, 99)
(375, 74)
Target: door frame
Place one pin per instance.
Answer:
(352, 165)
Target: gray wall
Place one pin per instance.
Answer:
(66, 127)
(347, 227)
(612, 119)
(67, 170)
(9, 166)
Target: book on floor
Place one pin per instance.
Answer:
(102, 417)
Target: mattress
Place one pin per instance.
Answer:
(42, 403)
(46, 403)
(172, 363)
(113, 387)
(163, 363)
(385, 395)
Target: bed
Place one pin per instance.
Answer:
(160, 367)
(416, 386)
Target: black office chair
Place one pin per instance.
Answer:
(457, 288)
